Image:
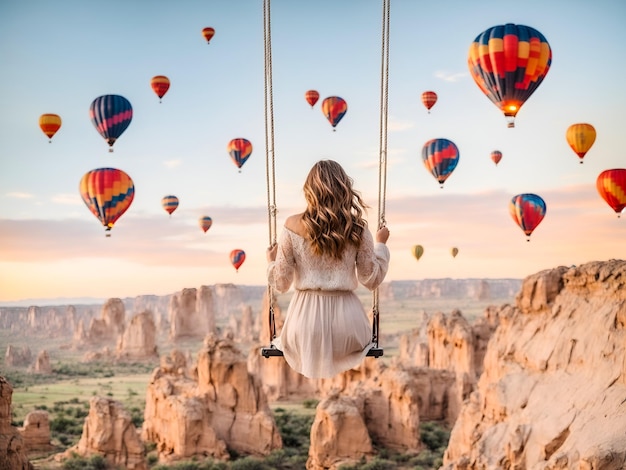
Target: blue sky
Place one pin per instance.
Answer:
(58, 56)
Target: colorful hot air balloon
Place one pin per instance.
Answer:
(169, 203)
(239, 150)
(611, 185)
(334, 108)
(454, 251)
(527, 211)
(440, 157)
(496, 156)
(311, 97)
(107, 192)
(580, 138)
(208, 33)
(160, 84)
(417, 251)
(111, 115)
(237, 257)
(205, 223)
(508, 62)
(50, 124)
(429, 98)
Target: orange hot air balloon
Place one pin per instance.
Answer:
(496, 156)
(611, 185)
(239, 150)
(205, 223)
(50, 124)
(580, 138)
(208, 33)
(311, 97)
(160, 84)
(237, 257)
(429, 98)
(334, 108)
(169, 203)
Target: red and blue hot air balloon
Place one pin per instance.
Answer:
(205, 223)
(239, 150)
(508, 62)
(108, 193)
(334, 108)
(111, 115)
(527, 210)
(611, 185)
(440, 157)
(169, 203)
(237, 257)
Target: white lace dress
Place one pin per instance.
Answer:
(326, 330)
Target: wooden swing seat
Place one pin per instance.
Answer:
(273, 351)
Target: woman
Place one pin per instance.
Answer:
(325, 252)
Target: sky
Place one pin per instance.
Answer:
(57, 57)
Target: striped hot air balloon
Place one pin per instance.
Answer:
(334, 108)
(169, 203)
(611, 185)
(580, 138)
(429, 98)
(50, 124)
(440, 157)
(237, 257)
(239, 150)
(111, 116)
(160, 84)
(205, 223)
(527, 210)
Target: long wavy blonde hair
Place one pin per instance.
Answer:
(334, 214)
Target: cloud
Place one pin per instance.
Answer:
(18, 195)
(396, 125)
(173, 163)
(67, 199)
(450, 77)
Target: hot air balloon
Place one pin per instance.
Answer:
(160, 84)
(440, 157)
(580, 138)
(334, 108)
(169, 203)
(107, 192)
(508, 62)
(429, 98)
(205, 223)
(311, 97)
(454, 251)
(417, 251)
(237, 257)
(208, 33)
(50, 124)
(527, 211)
(496, 156)
(111, 115)
(611, 185)
(239, 150)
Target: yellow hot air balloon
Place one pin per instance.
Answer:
(50, 124)
(580, 138)
(417, 251)
(454, 251)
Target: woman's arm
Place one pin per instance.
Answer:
(281, 267)
(372, 259)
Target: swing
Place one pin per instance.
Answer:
(272, 350)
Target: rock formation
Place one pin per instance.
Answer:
(105, 329)
(551, 395)
(12, 448)
(139, 338)
(109, 431)
(222, 406)
(17, 357)
(42, 363)
(190, 313)
(36, 431)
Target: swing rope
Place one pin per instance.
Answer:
(270, 164)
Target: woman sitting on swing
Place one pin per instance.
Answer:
(326, 251)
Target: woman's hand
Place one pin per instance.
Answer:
(382, 235)
(271, 253)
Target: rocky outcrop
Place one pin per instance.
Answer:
(551, 395)
(139, 338)
(109, 431)
(36, 431)
(12, 447)
(42, 363)
(105, 329)
(478, 289)
(220, 406)
(184, 318)
(17, 357)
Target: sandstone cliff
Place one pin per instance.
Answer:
(552, 394)
(12, 446)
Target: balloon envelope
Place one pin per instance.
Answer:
(496, 156)
(429, 98)
(111, 115)
(50, 124)
(440, 157)
(208, 33)
(454, 251)
(108, 193)
(580, 138)
(527, 211)
(611, 185)
(237, 257)
(508, 62)
(311, 97)
(169, 203)
(160, 84)
(239, 150)
(205, 223)
(334, 108)
(417, 251)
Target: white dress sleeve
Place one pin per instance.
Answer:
(372, 261)
(280, 273)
